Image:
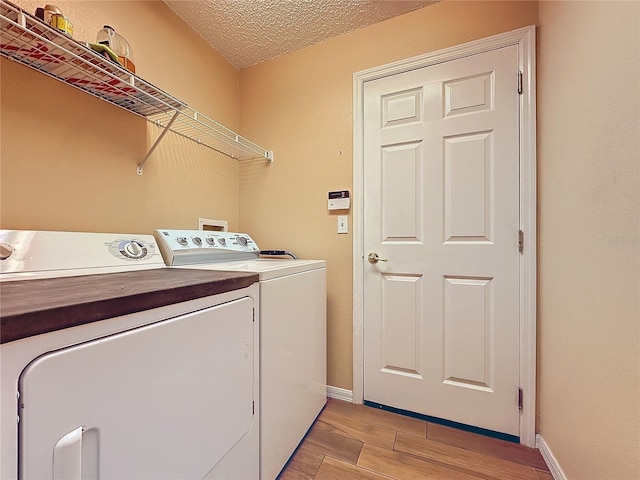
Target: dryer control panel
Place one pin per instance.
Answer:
(47, 254)
(191, 247)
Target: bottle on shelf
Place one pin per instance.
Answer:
(116, 42)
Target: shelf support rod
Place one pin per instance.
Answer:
(160, 137)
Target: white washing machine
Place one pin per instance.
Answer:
(163, 393)
(292, 332)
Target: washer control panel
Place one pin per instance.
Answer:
(190, 247)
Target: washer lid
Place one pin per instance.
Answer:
(266, 268)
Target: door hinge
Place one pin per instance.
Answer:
(520, 241)
(520, 83)
(254, 314)
(253, 408)
(520, 395)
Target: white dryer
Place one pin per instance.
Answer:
(163, 393)
(292, 332)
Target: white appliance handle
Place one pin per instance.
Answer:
(67, 456)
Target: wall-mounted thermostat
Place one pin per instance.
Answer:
(339, 200)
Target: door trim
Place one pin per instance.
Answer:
(524, 39)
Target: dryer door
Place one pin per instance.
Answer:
(164, 401)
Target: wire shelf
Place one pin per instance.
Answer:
(29, 41)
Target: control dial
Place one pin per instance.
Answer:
(133, 249)
(211, 240)
(222, 241)
(197, 241)
(5, 251)
(183, 241)
(242, 241)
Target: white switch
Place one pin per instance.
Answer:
(343, 224)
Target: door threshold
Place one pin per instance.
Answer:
(447, 423)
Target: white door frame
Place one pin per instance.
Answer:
(525, 40)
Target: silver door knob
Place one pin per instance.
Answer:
(374, 258)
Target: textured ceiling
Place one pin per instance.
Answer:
(246, 32)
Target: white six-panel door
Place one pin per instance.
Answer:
(441, 205)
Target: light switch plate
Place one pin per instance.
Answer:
(343, 224)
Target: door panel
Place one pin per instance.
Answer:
(468, 332)
(441, 203)
(401, 352)
(401, 184)
(467, 187)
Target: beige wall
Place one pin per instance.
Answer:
(300, 105)
(589, 236)
(69, 160)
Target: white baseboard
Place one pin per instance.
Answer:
(550, 460)
(340, 393)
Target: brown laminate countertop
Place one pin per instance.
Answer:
(33, 307)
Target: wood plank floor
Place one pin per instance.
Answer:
(354, 442)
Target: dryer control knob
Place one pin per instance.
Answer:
(134, 250)
(183, 241)
(5, 251)
(211, 240)
(242, 241)
(197, 241)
